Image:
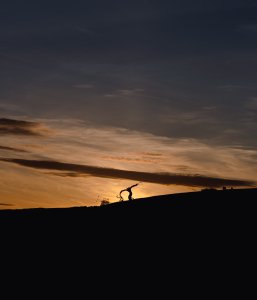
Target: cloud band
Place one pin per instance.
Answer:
(76, 170)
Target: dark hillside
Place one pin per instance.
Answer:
(210, 206)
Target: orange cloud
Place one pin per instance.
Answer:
(12, 149)
(129, 159)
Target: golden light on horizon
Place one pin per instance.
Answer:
(77, 165)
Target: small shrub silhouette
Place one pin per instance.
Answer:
(104, 202)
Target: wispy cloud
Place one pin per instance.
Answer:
(125, 93)
(130, 92)
(159, 178)
(252, 103)
(21, 127)
(131, 159)
(235, 87)
(248, 28)
(203, 116)
(84, 86)
(5, 204)
(86, 31)
(12, 149)
(6, 107)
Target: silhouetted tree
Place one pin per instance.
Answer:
(129, 190)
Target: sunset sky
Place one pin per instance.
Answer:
(96, 96)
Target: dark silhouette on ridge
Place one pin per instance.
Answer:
(182, 219)
(129, 190)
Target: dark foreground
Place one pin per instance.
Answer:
(215, 208)
(211, 233)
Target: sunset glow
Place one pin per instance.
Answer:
(27, 184)
(95, 98)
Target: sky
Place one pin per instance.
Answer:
(96, 96)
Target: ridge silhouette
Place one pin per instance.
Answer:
(129, 190)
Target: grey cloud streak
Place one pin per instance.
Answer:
(76, 170)
(20, 127)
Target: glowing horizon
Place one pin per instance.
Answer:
(78, 164)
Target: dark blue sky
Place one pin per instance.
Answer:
(184, 69)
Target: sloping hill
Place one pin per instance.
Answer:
(188, 227)
(194, 205)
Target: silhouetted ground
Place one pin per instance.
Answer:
(173, 237)
(213, 207)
